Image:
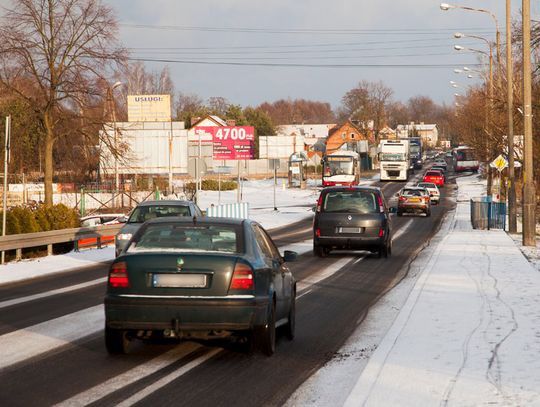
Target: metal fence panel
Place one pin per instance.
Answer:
(488, 215)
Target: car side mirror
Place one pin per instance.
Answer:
(289, 255)
(313, 208)
(393, 209)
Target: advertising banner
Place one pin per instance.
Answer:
(231, 142)
(149, 108)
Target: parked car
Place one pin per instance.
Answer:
(414, 200)
(102, 219)
(435, 176)
(433, 191)
(352, 218)
(201, 278)
(153, 209)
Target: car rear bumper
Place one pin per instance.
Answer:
(185, 313)
(342, 242)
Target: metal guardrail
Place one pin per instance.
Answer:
(488, 215)
(26, 240)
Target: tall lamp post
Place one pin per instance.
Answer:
(512, 208)
(490, 105)
(115, 138)
(529, 190)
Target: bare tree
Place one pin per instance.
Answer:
(367, 102)
(63, 49)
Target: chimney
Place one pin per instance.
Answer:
(231, 123)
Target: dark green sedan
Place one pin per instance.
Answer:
(200, 278)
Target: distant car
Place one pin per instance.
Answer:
(435, 176)
(102, 219)
(441, 169)
(205, 278)
(441, 163)
(352, 218)
(414, 200)
(434, 192)
(149, 210)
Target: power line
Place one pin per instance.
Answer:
(401, 31)
(194, 62)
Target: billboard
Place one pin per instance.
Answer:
(230, 142)
(149, 108)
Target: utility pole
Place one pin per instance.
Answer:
(6, 161)
(512, 219)
(529, 190)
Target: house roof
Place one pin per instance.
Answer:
(218, 121)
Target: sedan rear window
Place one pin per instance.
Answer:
(351, 201)
(174, 237)
(433, 174)
(143, 213)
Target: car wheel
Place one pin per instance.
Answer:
(399, 213)
(428, 213)
(319, 251)
(291, 320)
(266, 335)
(116, 341)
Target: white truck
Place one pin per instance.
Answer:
(394, 160)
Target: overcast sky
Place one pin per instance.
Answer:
(318, 35)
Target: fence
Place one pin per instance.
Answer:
(238, 210)
(486, 214)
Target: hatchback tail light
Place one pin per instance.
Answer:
(118, 275)
(402, 198)
(318, 232)
(381, 232)
(242, 278)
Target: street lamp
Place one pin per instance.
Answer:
(446, 7)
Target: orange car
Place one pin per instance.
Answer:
(435, 176)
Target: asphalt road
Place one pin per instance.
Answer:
(334, 296)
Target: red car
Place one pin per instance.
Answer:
(437, 177)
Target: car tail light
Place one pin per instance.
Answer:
(402, 198)
(319, 203)
(118, 276)
(242, 278)
(380, 201)
(381, 232)
(318, 232)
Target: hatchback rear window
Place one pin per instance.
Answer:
(174, 237)
(351, 201)
(433, 174)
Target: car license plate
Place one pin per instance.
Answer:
(179, 280)
(350, 230)
(414, 199)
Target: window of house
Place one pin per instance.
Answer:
(352, 135)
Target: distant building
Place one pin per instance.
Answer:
(313, 135)
(428, 132)
(347, 137)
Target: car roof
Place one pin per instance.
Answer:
(427, 185)
(414, 188)
(206, 220)
(355, 187)
(165, 202)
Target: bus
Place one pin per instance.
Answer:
(341, 167)
(464, 159)
(415, 151)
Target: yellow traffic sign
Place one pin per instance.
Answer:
(500, 163)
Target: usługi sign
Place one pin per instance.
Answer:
(231, 142)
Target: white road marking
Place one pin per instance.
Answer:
(323, 274)
(168, 379)
(402, 229)
(131, 376)
(63, 290)
(29, 342)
